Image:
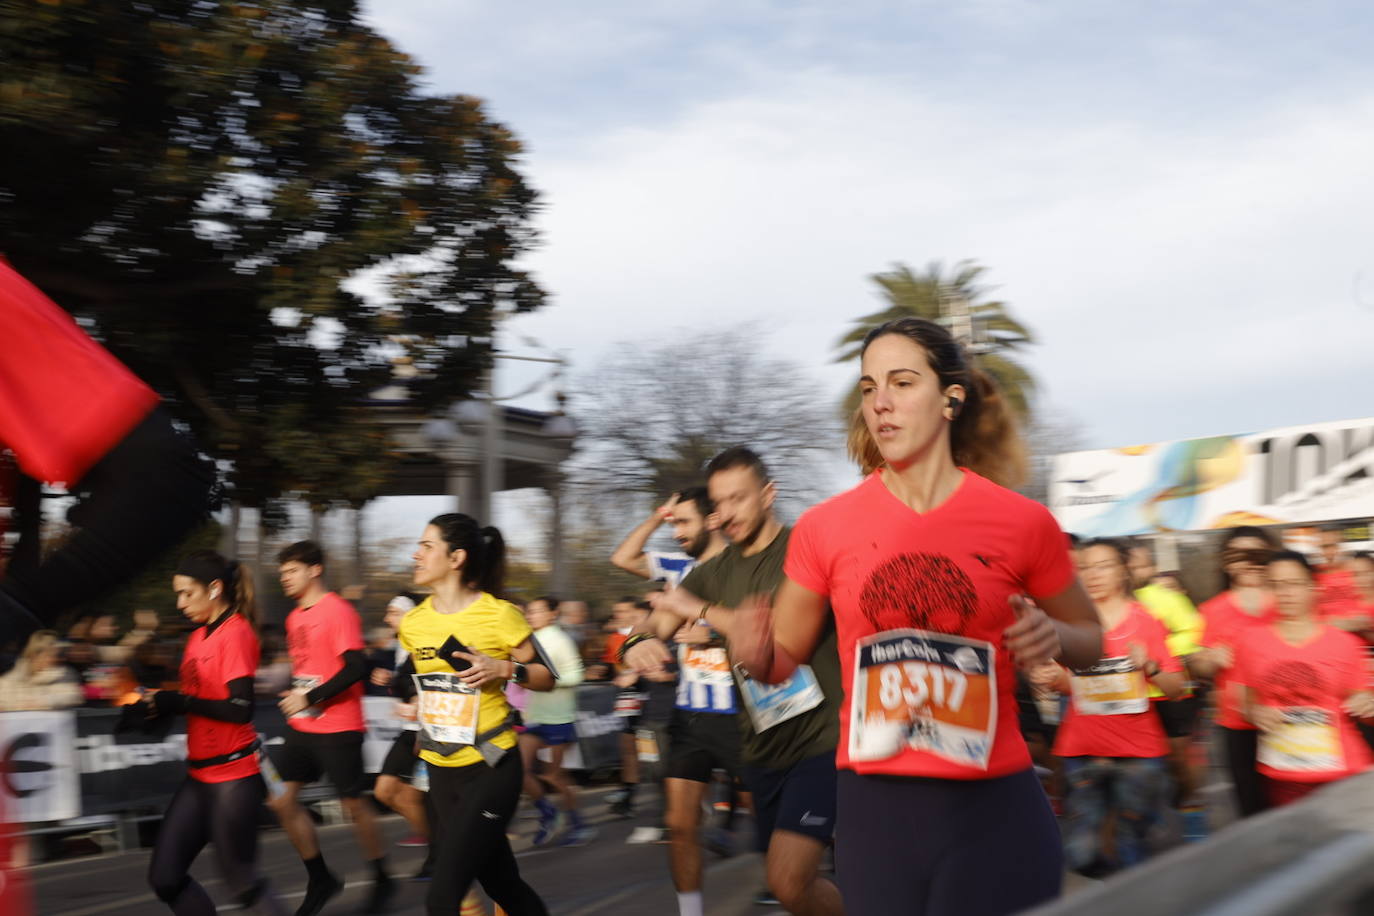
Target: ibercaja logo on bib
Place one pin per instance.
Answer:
(923, 691)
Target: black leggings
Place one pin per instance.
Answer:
(1242, 744)
(223, 813)
(472, 806)
(945, 847)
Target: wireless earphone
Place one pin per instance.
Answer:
(954, 405)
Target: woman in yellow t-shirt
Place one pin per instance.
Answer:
(465, 722)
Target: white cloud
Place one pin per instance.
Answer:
(1178, 203)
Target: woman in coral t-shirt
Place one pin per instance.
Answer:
(925, 566)
(221, 798)
(1246, 603)
(1113, 743)
(1304, 682)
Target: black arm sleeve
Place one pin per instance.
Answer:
(354, 670)
(135, 503)
(402, 687)
(238, 708)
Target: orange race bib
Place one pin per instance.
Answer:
(1112, 687)
(447, 709)
(924, 691)
(708, 665)
(1306, 742)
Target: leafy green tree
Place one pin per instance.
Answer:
(211, 188)
(957, 300)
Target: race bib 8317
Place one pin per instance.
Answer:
(924, 691)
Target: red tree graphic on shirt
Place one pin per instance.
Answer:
(923, 590)
(1293, 683)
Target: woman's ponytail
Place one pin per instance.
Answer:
(485, 567)
(493, 575)
(245, 597)
(206, 566)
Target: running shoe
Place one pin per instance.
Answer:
(641, 835)
(578, 836)
(765, 898)
(623, 809)
(719, 840)
(317, 894)
(412, 841)
(547, 823)
(615, 796)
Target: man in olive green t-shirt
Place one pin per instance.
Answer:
(788, 731)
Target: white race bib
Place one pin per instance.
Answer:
(1307, 742)
(646, 745)
(307, 682)
(772, 704)
(1112, 687)
(446, 708)
(923, 691)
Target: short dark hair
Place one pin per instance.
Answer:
(307, 553)
(1074, 540)
(700, 497)
(1292, 556)
(627, 599)
(549, 600)
(738, 456)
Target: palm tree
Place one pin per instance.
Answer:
(985, 328)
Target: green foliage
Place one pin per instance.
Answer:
(996, 335)
(196, 180)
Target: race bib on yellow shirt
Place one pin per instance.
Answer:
(1306, 742)
(1112, 687)
(924, 691)
(446, 708)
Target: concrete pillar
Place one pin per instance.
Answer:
(558, 565)
(462, 486)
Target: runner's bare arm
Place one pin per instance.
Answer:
(1360, 704)
(1265, 718)
(629, 556)
(1063, 626)
(486, 669)
(1171, 683)
(770, 644)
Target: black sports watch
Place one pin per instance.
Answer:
(522, 674)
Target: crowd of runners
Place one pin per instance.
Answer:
(898, 689)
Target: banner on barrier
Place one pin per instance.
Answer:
(38, 766)
(62, 764)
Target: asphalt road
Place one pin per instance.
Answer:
(607, 876)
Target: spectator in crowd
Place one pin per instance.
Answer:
(39, 680)
(575, 620)
(381, 661)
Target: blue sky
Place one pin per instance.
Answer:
(1177, 197)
